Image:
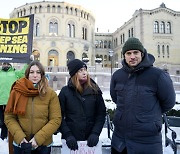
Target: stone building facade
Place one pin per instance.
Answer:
(62, 31)
(157, 29)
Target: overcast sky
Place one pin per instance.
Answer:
(105, 11)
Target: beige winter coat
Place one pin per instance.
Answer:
(42, 119)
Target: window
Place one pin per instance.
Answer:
(71, 29)
(177, 72)
(158, 50)
(156, 27)
(37, 31)
(30, 10)
(105, 44)
(53, 27)
(163, 51)
(168, 51)
(84, 33)
(35, 9)
(59, 9)
(132, 32)
(70, 56)
(168, 28)
(53, 9)
(40, 9)
(101, 44)
(48, 9)
(162, 27)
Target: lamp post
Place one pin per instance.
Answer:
(111, 52)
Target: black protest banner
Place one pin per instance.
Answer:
(16, 36)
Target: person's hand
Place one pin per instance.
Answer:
(92, 140)
(34, 143)
(72, 143)
(23, 141)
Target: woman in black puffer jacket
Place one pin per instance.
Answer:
(83, 108)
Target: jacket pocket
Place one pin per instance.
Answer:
(145, 126)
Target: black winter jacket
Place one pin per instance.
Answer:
(82, 114)
(142, 95)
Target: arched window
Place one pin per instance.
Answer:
(158, 50)
(168, 28)
(40, 9)
(35, 9)
(162, 27)
(24, 12)
(30, 10)
(48, 9)
(101, 44)
(59, 9)
(109, 44)
(71, 29)
(53, 9)
(53, 27)
(156, 27)
(105, 44)
(67, 9)
(70, 56)
(76, 12)
(84, 33)
(163, 53)
(37, 29)
(71, 10)
(168, 51)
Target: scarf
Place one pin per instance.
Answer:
(21, 90)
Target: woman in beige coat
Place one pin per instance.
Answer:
(33, 112)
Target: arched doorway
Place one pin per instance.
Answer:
(53, 58)
(70, 56)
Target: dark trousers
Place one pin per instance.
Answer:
(39, 150)
(114, 151)
(3, 127)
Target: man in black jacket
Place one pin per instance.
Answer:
(142, 93)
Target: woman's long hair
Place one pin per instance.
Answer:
(78, 85)
(43, 83)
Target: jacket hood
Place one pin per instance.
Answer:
(147, 61)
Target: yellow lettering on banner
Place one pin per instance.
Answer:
(5, 39)
(13, 48)
(19, 39)
(14, 26)
(3, 48)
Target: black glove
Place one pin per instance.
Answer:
(92, 140)
(72, 143)
(26, 148)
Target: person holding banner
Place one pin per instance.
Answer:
(33, 112)
(83, 108)
(7, 76)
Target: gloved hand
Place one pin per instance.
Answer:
(92, 140)
(26, 148)
(72, 143)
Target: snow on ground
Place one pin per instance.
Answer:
(103, 137)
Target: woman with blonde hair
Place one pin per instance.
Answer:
(33, 112)
(83, 108)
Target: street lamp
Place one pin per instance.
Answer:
(111, 52)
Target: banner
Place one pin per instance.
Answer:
(16, 37)
(82, 148)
